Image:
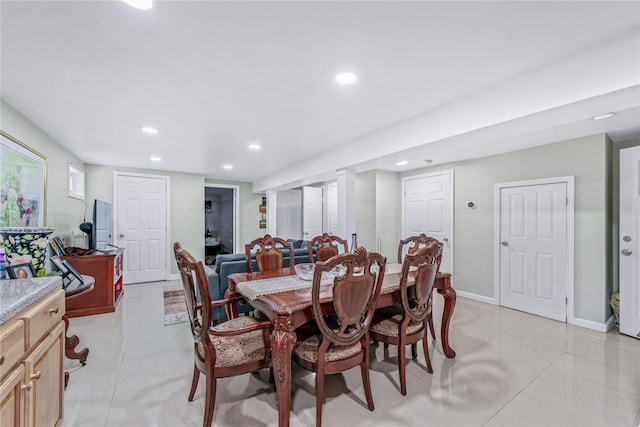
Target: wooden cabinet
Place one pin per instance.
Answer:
(31, 386)
(106, 268)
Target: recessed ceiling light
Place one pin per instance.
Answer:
(603, 116)
(155, 159)
(346, 78)
(140, 4)
(228, 167)
(149, 130)
(254, 147)
(401, 163)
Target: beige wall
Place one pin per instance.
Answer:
(62, 212)
(584, 158)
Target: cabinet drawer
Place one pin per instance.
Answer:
(43, 316)
(12, 345)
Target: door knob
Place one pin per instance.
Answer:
(446, 239)
(626, 252)
(121, 235)
(504, 243)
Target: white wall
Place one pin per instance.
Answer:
(62, 212)
(586, 159)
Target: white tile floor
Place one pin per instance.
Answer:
(512, 369)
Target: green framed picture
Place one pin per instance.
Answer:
(23, 175)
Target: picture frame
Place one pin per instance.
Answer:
(25, 171)
(73, 271)
(69, 273)
(21, 271)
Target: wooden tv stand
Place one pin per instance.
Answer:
(106, 268)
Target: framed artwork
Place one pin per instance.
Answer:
(23, 180)
(21, 271)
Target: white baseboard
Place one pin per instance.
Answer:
(476, 297)
(175, 276)
(596, 326)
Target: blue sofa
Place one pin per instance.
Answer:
(236, 263)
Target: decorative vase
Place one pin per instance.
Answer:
(26, 245)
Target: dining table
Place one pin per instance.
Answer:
(285, 299)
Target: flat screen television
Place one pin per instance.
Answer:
(102, 225)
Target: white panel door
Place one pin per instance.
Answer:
(142, 227)
(311, 212)
(332, 210)
(629, 238)
(428, 208)
(533, 254)
(289, 214)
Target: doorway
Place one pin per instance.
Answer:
(220, 219)
(629, 258)
(428, 208)
(534, 246)
(311, 212)
(141, 206)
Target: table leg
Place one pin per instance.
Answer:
(71, 342)
(282, 340)
(449, 295)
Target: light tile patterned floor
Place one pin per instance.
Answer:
(512, 369)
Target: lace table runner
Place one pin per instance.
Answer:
(252, 289)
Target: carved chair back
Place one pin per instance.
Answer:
(413, 243)
(355, 293)
(422, 264)
(269, 254)
(327, 246)
(193, 275)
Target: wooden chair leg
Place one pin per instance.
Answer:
(366, 381)
(433, 332)
(194, 382)
(210, 401)
(319, 393)
(402, 348)
(425, 347)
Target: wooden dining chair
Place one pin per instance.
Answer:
(406, 323)
(230, 348)
(340, 339)
(326, 246)
(268, 253)
(410, 245)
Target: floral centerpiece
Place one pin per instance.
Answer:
(26, 245)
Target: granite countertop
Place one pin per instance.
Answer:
(16, 295)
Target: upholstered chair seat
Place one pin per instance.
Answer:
(308, 350)
(238, 349)
(387, 321)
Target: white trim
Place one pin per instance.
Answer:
(569, 181)
(174, 276)
(452, 198)
(236, 211)
(167, 179)
(596, 326)
(476, 297)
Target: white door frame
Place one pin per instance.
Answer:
(236, 209)
(451, 203)
(167, 179)
(569, 181)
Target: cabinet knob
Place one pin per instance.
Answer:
(27, 386)
(53, 310)
(35, 376)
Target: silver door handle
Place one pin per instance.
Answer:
(121, 235)
(446, 239)
(504, 243)
(626, 252)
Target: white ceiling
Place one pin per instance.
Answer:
(437, 80)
